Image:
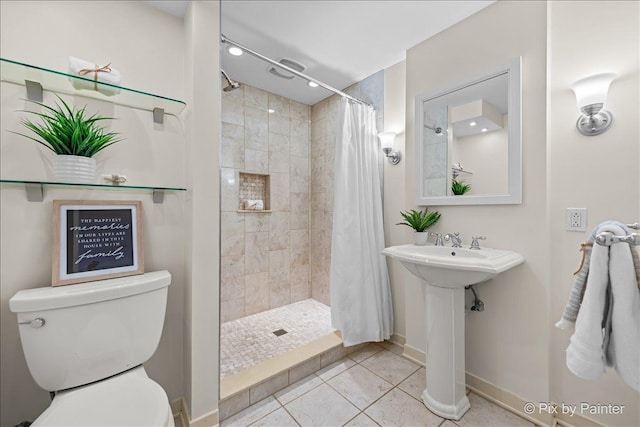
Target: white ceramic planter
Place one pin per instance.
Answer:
(420, 237)
(74, 169)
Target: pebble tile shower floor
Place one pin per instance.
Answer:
(250, 340)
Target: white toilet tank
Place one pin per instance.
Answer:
(77, 334)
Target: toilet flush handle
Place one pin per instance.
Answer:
(35, 323)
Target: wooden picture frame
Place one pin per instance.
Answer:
(95, 240)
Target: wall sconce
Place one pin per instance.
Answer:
(386, 142)
(591, 94)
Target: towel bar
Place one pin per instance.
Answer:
(608, 239)
(635, 226)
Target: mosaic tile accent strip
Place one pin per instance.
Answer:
(250, 340)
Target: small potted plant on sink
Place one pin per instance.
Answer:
(73, 136)
(420, 221)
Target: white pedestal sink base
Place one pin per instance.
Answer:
(445, 394)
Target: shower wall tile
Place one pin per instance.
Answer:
(257, 297)
(299, 138)
(233, 106)
(256, 129)
(299, 247)
(299, 219)
(318, 175)
(280, 192)
(299, 170)
(257, 222)
(256, 98)
(262, 252)
(231, 277)
(279, 104)
(279, 231)
(231, 233)
(318, 135)
(300, 283)
(278, 153)
(319, 246)
(256, 253)
(231, 310)
(228, 189)
(319, 110)
(317, 210)
(299, 111)
(232, 153)
(256, 161)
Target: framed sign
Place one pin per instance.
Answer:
(95, 239)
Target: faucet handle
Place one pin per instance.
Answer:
(439, 241)
(474, 242)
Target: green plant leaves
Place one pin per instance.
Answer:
(458, 188)
(67, 131)
(419, 220)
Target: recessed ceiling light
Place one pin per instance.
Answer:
(472, 124)
(270, 110)
(484, 130)
(235, 51)
(312, 84)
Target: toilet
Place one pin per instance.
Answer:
(86, 343)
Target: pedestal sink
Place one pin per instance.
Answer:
(445, 271)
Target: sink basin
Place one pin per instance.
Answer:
(445, 271)
(453, 267)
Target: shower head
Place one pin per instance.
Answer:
(232, 85)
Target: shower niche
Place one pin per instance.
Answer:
(254, 188)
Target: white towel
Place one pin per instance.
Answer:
(607, 330)
(90, 71)
(254, 205)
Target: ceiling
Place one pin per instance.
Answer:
(339, 42)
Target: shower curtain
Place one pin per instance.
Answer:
(360, 292)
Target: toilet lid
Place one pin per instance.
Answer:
(125, 400)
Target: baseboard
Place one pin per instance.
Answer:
(180, 409)
(415, 355)
(516, 404)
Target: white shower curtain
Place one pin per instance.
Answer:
(360, 293)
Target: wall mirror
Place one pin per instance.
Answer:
(469, 135)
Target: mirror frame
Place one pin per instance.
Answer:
(514, 194)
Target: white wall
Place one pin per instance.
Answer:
(511, 333)
(202, 290)
(147, 46)
(600, 173)
(394, 186)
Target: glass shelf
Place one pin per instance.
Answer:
(35, 189)
(56, 81)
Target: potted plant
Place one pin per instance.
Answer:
(73, 136)
(420, 221)
(458, 188)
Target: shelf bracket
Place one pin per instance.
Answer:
(158, 196)
(158, 115)
(35, 192)
(34, 90)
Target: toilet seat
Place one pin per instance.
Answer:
(128, 399)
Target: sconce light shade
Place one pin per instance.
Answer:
(386, 143)
(591, 95)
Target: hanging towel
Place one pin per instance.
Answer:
(568, 319)
(94, 73)
(607, 328)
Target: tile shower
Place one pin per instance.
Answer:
(272, 259)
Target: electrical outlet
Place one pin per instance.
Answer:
(576, 219)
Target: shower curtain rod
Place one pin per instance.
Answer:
(291, 70)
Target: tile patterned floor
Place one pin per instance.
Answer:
(250, 340)
(374, 386)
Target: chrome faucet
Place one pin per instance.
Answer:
(474, 242)
(439, 241)
(456, 241)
